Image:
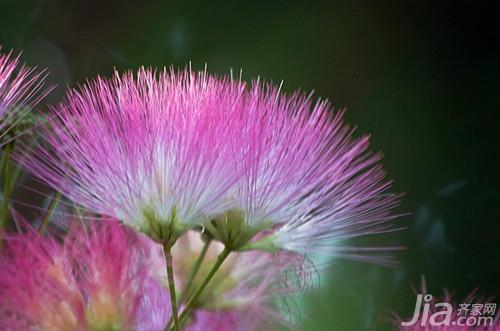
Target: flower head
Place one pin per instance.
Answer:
(21, 88)
(168, 152)
(149, 150)
(305, 180)
(38, 289)
(96, 279)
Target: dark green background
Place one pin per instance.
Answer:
(421, 76)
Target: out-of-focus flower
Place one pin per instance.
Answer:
(21, 88)
(38, 290)
(249, 291)
(96, 279)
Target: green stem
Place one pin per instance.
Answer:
(193, 274)
(196, 268)
(189, 305)
(171, 286)
(7, 185)
(50, 212)
(2, 160)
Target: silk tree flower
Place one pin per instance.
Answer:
(231, 320)
(167, 152)
(249, 292)
(21, 88)
(150, 150)
(37, 287)
(96, 279)
(305, 179)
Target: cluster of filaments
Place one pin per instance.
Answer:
(233, 185)
(170, 152)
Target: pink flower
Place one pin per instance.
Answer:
(21, 88)
(248, 293)
(150, 150)
(304, 178)
(218, 321)
(97, 279)
(168, 152)
(37, 287)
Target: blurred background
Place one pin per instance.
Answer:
(421, 76)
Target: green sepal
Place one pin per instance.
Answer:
(232, 230)
(265, 244)
(164, 231)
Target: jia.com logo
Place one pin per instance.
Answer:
(443, 313)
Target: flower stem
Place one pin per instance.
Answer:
(171, 286)
(50, 212)
(189, 305)
(7, 186)
(193, 273)
(196, 268)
